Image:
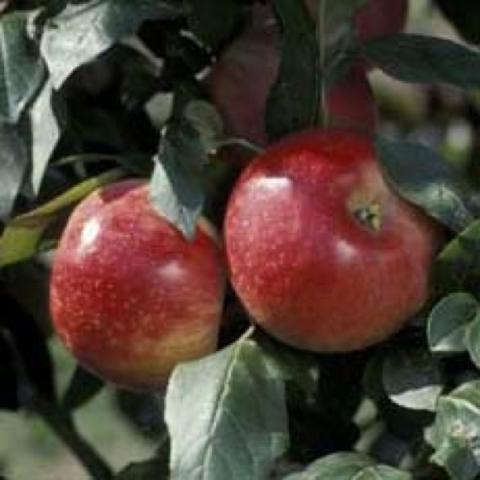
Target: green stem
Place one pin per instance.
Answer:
(62, 425)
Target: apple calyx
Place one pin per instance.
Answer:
(369, 216)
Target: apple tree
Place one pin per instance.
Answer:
(255, 223)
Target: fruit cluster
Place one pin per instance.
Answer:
(321, 252)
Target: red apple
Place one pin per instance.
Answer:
(323, 254)
(240, 81)
(376, 18)
(381, 17)
(130, 296)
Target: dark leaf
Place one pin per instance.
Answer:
(449, 321)
(340, 385)
(46, 127)
(207, 122)
(14, 164)
(315, 433)
(298, 368)
(458, 265)
(204, 20)
(322, 423)
(335, 29)
(176, 188)
(21, 68)
(390, 449)
(154, 469)
(294, 98)
(84, 30)
(411, 379)
(27, 340)
(144, 411)
(464, 14)
(402, 422)
(422, 59)
(425, 179)
(27, 282)
(8, 378)
(335, 32)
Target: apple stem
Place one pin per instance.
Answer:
(369, 216)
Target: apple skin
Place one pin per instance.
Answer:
(376, 18)
(322, 253)
(381, 17)
(240, 81)
(129, 295)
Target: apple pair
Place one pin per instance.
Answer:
(322, 253)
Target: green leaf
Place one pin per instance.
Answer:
(458, 266)
(449, 322)
(22, 236)
(412, 380)
(207, 122)
(335, 28)
(159, 108)
(45, 126)
(22, 70)
(176, 188)
(422, 59)
(294, 98)
(455, 435)
(423, 178)
(82, 388)
(349, 466)
(27, 147)
(203, 19)
(226, 415)
(464, 14)
(336, 34)
(14, 163)
(298, 368)
(401, 422)
(473, 341)
(84, 30)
